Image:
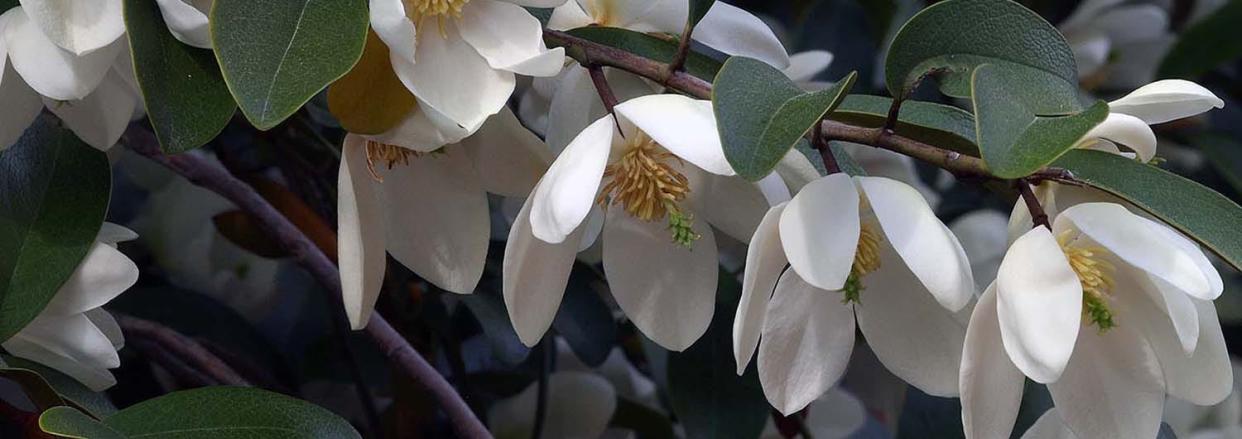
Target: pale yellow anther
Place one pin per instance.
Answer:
(390, 155)
(644, 180)
(439, 10)
(1095, 274)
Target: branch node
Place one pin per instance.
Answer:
(1038, 216)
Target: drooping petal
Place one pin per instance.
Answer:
(50, 70)
(731, 204)
(683, 125)
(807, 338)
(734, 31)
(819, 231)
(926, 245)
(836, 414)
(569, 16)
(73, 336)
(1132, 239)
(579, 405)
(112, 233)
(1177, 308)
(187, 22)
(1128, 24)
(568, 189)
(575, 103)
(94, 377)
(509, 158)
(1112, 386)
(803, 66)
(104, 274)
(101, 117)
(108, 326)
(1049, 426)
(1126, 130)
(80, 27)
(424, 130)
(360, 233)
(1166, 100)
(436, 219)
(537, 3)
(1090, 51)
(389, 21)
(21, 104)
(1039, 305)
(1204, 377)
(1085, 13)
(666, 289)
(765, 260)
(534, 277)
(991, 385)
(509, 38)
(916, 338)
(796, 170)
(1216, 285)
(451, 77)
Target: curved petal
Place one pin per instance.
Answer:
(50, 70)
(101, 117)
(819, 231)
(808, 335)
(579, 405)
(916, 339)
(731, 204)
(1112, 386)
(836, 414)
(1126, 130)
(360, 233)
(1083, 15)
(926, 245)
(1166, 100)
(684, 126)
(567, 192)
(1216, 285)
(112, 233)
(73, 336)
(186, 22)
(1177, 307)
(666, 289)
(509, 38)
(21, 104)
(80, 27)
(569, 16)
(796, 170)
(108, 326)
(389, 21)
(1049, 426)
(984, 236)
(765, 260)
(575, 104)
(436, 219)
(991, 385)
(630, 14)
(537, 3)
(803, 66)
(94, 377)
(509, 158)
(1204, 377)
(1039, 305)
(424, 130)
(451, 77)
(734, 31)
(104, 274)
(1130, 238)
(534, 277)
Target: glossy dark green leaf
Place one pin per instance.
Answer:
(186, 98)
(55, 388)
(1015, 141)
(698, 9)
(796, 117)
(650, 47)
(228, 412)
(935, 124)
(54, 191)
(276, 55)
(585, 321)
(950, 38)
(69, 422)
(1201, 213)
(1206, 45)
(708, 397)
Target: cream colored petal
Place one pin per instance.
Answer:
(186, 22)
(104, 274)
(684, 126)
(568, 189)
(80, 27)
(509, 158)
(54, 72)
(451, 77)
(1166, 100)
(765, 260)
(1039, 305)
(820, 229)
(360, 233)
(991, 385)
(509, 38)
(534, 277)
(1126, 130)
(101, 117)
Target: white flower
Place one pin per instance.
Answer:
(1222, 420)
(865, 249)
(1117, 43)
(1146, 290)
(73, 334)
(459, 57)
(804, 66)
(428, 208)
(187, 20)
(835, 415)
(660, 174)
(1155, 103)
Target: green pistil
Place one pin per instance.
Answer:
(1096, 309)
(852, 293)
(682, 227)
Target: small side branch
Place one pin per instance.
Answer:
(602, 87)
(683, 52)
(1038, 216)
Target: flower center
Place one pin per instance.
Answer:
(866, 261)
(647, 184)
(390, 155)
(417, 10)
(1096, 276)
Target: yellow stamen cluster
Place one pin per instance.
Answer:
(439, 10)
(391, 155)
(644, 180)
(1096, 276)
(866, 261)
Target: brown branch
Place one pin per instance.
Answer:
(679, 58)
(601, 86)
(183, 347)
(303, 251)
(588, 53)
(1038, 216)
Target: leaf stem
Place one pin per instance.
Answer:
(1038, 216)
(825, 151)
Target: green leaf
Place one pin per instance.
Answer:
(5, 5)
(70, 423)
(798, 116)
(187, 101)
(55, 388)
(1205, 45)
(228, 412)
(648, 46)
(1015, 141)
(276, 55)
(949, 39)
(1224, 154)
(55, 191)
(935, 124)
(1201, 213)
(698, 9)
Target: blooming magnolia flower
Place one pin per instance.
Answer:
(652, 168)
(865, 249)
(73, 334)
(459, 57)
(428, 208)
(1158, 102)
(1146, 290)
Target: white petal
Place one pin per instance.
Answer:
(78, 26)
(108, 326)
(819, 231)
(925, 244)
(104, 274)
(388, 20)
(537, 3)
(111, 233)
(436, 219)
(985, 237)
(187, 22)
(509, 158)
(579, 405)
(569, 16)
(628, 14)
(576, 104)
(451, 77)
(765, 259)
(73, 336)
(796, 170)
(991, 385)
(808, 335)
(21, 104)
(101, 117)
(509, 38)
(666, 289)
(360, 233)
(915, 338)
(1126, 130)
(1203, 377)
(736, 32)
(1130, 238)
(837, 414)
(1085, 13)
(731, 204)
(1166, 100)
(1177, 307)
(1215, 284)
(1049, 426)
(803, 66)
(568, 189)
(424, 129)
(1039, 305)
(684, 126)
(50, 70)
(1111, 387)
(97, 378)
(534, 277)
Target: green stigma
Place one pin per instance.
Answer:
(852, 292)
(682, 228)
(1096, 309)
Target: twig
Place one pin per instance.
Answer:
(587, 53)
(300, 248)
(601, 86)
(825, 152)
(679, 58)
(183, 347)
(1038, 216)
